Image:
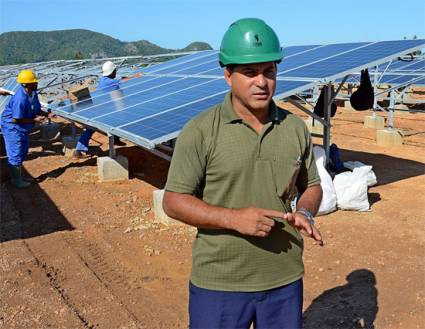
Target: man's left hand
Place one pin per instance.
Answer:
(300, 222)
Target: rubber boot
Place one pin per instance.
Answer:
(16, 177)
(28, 179)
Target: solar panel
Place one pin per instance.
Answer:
(154, 108)
(11, 85)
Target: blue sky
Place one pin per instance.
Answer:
(176, 23)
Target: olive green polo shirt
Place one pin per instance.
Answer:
(223, 161)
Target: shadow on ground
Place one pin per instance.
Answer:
(59, 171)
(27, 213)
(353, 305)
(388, 169)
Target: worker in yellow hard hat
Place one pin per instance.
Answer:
(17, 120)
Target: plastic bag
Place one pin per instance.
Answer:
(351, 189)
(371, 177)
(319, 108)
(328, 203)
(363, 98)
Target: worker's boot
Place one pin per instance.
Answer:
(79, 155)
(27, 178)
(16, 177)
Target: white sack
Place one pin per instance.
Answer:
(371, 177)
(328, 203)
(351, 189)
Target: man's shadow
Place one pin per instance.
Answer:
(353, 305)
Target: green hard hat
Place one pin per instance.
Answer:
(249, 40)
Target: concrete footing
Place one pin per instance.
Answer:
(160, 215)
(49, 130)
(388, 137)
(110, 169)
(374, 121)
(316, 129)
(69, 144)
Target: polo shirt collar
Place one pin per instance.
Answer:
(230, 116)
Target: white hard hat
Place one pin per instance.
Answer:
(107, 68)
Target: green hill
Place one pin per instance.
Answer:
(28, 47)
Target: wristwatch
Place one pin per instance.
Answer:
(307, 215)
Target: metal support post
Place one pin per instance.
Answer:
(375, 87)
(327, 127)
(112, 154)
(391, 110)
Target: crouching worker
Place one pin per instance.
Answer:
(107, 83)
(17, 120)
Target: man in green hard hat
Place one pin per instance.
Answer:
(235, 170)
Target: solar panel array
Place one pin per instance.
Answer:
(154, 108)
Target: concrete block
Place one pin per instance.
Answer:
(316, 129)
(374, 121)
(69, 144)
(389, 137)
(110, 169)
(49, 130)
(160, 215)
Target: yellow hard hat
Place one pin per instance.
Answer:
(26, 76)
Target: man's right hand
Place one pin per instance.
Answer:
(253, 221)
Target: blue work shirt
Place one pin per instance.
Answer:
(21, 106)
(107, 84)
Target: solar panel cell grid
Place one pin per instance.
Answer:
(172, 121)
(163, 103)
(289, 65)
(353, 59)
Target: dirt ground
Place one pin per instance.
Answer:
(78, 253)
